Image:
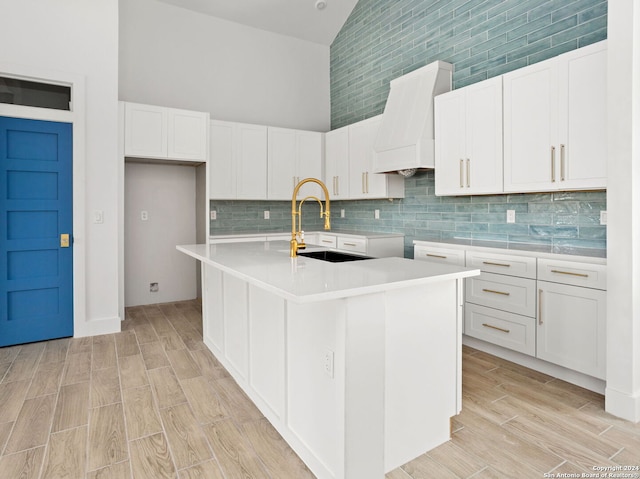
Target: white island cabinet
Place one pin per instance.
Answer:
(356, 364)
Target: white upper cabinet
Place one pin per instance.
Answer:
(293, 156)
(363, 182)
(238, 161)
(165, 133)
(468, 126)
(337, 163)
(555, 119)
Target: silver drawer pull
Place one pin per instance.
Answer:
(496, 264)
(435, 256)
(350, 244)
(582, 275)
(539, 306)
(495, 292)
(496, 327)
(327, 241)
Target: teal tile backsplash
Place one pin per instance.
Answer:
(384, 39)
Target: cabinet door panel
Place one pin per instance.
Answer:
(484, 137)
(252, 162)
(145, 131)
(222, 175)
(358, 141)
(583, 129)
(450, 151)
(187, 135)
(281, 169)
(571, 327)
(309, 162)
(337, 163)
(530, 127)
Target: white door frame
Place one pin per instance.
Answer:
(77, 118)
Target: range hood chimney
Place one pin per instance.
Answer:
(405, 140)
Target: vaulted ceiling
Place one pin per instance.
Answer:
(295, 18)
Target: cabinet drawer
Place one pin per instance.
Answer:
(327, 240)
(574, 273)
(512, 265)
(352, 244)
(438, 255)
(507, 293)
(499, 327)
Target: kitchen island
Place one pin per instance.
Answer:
(356, 364)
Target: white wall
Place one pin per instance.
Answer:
(175, 57)
(76, 38)
(168, 194)
(623, 204)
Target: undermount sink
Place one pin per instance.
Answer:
(333, 256)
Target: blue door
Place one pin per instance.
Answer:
(36, 247)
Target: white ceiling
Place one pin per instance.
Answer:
(294, 18)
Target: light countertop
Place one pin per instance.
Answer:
(249, 234)
(302, 280)
(590, 255)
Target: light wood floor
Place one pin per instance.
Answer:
(152, 402)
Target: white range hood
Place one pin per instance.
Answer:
(405, 140)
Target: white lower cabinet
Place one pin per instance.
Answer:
(546, 306)
(571, 326)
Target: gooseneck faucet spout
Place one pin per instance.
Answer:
(297, 240)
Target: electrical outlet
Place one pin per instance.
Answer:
(328, 362)
(144, 215)
(214, 214)
(342, 213)
(153, 287)
(376, 214)
(266, 214)
(603, 217)
(511, 216)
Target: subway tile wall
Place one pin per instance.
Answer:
(384, 39)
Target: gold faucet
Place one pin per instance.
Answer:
(297, 241)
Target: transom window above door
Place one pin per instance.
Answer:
(16, 91)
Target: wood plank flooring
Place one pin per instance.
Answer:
(153, 402)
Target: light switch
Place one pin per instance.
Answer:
(98, 217)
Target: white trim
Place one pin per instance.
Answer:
(622, 404)
(77, 117)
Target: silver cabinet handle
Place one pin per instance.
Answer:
(582, 275)
(495, 292)
(350, 244)
(435, 256)
(468, 172)
(495, 327)
(367, 181)
(461, 173)
(562, 148)
(496, 264)
(327, 241)
(337, 185)
(539, 306)
(363, 190)
(553, 164)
